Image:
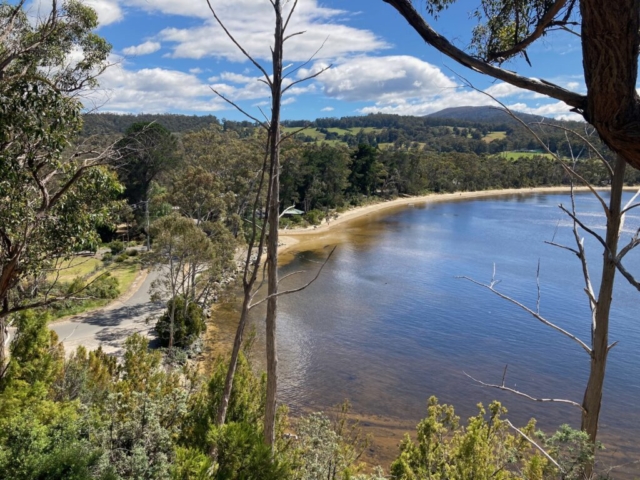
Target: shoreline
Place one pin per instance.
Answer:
(293, 240)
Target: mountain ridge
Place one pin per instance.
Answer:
(484, 114)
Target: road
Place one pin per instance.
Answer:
(110, 326)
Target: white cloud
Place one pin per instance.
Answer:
(153, 90)
(250, 23)
(327, 109)
(143, 49)
(386, 80)
(559, 110)
(108, 10)
(405, 85)
(195, 71)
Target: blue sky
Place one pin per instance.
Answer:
(168, 53)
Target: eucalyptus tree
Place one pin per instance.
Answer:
(225, 170)
(609, 33)
(148, 150)
(53, 192)
(181, 251)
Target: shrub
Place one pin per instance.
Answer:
(187, 325)
(121, 258)
(314, 217)
(133, 252)
(107, 257)
(116, 247)
(105, 287)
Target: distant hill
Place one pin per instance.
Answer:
(483, 115)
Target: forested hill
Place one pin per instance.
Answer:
(479, 130)
(463, 117)
(491, 115)
(113, 123)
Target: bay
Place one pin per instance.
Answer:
(389, 323)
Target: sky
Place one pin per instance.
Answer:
(168, 55)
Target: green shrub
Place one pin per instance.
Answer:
(107, 257)
(104, 287)
(121, 258)
(314, 217)
(187, 325)
(116, 247)
(133, 252)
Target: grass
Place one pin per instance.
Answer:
(339, 131)
(80, 266)
(89, 268)
(518, 155)
(311, 132)
(491, 136)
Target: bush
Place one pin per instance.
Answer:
(105, 287)
(107, 257)
(186, 328)
(314, 217)
(121, 258)
(133, 252)
(116, 247)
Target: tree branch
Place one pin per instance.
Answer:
(433, 38)
(245, 53)
(299, 289)
(538, 447)
(522, 394)
(230, 102)
(535, 315)
(540, 29)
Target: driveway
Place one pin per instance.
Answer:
(109, 327)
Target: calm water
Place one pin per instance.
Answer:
(388, 323)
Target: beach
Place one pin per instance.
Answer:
(314, 237)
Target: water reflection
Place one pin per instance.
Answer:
(388, 324)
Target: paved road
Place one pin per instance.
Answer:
(109, 327)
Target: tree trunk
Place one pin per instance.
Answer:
(272, 245)
(600, 328)
(610, 42)
(221, 415)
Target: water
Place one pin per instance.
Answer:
(388, 323)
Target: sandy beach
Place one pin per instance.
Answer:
(296, 239)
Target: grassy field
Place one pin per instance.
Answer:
(491, 136)
(517, 155)
(80, 266)
(89, 268)
(311, 132)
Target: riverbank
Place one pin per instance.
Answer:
(315, 237)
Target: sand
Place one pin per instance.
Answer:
(297, 239)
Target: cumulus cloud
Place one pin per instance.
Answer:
(389, 79)
(559, 110)
(108, 10)
(406, 85)
(327, 109)
(143, 49)
(152, 90)
(246, 20)
(160, 90)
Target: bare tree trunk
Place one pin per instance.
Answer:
(600, 328)
(233, 363)
(272, 245)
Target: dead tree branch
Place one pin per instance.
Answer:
(537, 316)
(522, 394)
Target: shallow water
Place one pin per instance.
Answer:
(388, 324)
